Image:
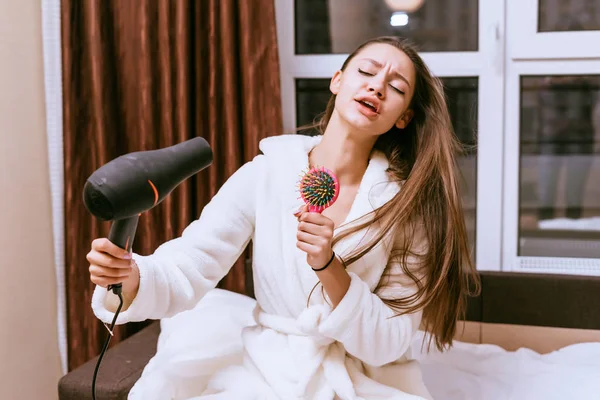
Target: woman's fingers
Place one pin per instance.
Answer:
(104, 245)
(319, 230)
(310, 238)
(99, 271)
(315, 218)
(104, 281)
(309, 249)
(106, 260)
(300, 211)
(314, 235)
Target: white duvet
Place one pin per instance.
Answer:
(467, 372)
(488, 372)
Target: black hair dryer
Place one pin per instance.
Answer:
(133, 183)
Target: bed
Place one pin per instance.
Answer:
(526, 337)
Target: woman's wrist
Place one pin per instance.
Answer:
(335, 280)
(326, 265)
(131, 288)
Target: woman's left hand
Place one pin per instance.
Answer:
(315, 232)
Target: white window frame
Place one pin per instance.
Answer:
(533, 53)
(529, 44)
(487, 64)
(513, 262)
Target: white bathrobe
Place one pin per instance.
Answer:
(220, 345)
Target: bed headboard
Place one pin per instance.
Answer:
(543, 312)
(551, 300)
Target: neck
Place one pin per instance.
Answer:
(343, 150)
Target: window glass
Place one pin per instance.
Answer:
(569, 15)
(559, 196)
(339, 26)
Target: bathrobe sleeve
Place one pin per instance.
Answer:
(362, 321)
(181, 271)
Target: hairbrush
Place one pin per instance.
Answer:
(319, 188)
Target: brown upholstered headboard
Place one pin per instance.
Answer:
(551, 300)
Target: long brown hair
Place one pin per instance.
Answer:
(422, 158)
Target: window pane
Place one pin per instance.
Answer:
(569, 15)
(462, 99)
(559, 197)
(312, 96)
(339, 26)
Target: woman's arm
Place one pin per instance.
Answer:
(181, 271)
(335, 280)
(367, 327)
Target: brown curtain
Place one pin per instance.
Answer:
(145, 74)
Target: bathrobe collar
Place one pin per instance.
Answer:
(375, 188)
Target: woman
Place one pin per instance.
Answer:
(390, 255)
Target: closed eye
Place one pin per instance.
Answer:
(397, 90)
(369, 74)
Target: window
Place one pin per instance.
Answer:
(551, 213)
(553, 29)
(565, 16)
(559, 203)
(339, 26)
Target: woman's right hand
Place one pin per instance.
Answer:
(110, 264)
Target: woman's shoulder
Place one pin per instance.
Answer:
(280, 157)
(286, 145)
(286, 152)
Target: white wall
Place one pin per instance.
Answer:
(29, 357)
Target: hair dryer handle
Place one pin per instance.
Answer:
(122, 234)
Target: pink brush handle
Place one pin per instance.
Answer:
(316, 209)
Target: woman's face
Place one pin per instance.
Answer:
(374, 92)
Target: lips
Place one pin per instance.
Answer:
(367, 108)
(369, 105)
(369, 102)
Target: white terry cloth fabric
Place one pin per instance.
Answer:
(488, 372)
(230, 347)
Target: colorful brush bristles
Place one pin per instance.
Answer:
(319, 188)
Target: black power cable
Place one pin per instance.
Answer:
(117, 291)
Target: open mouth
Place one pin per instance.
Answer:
(368, 104)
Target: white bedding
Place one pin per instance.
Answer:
(467, 372)
(487, 372)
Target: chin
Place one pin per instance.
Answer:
(359, 122)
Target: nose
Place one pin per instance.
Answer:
(376, 87)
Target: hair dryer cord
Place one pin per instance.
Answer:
(106, 343)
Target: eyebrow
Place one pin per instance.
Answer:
(394, 72)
